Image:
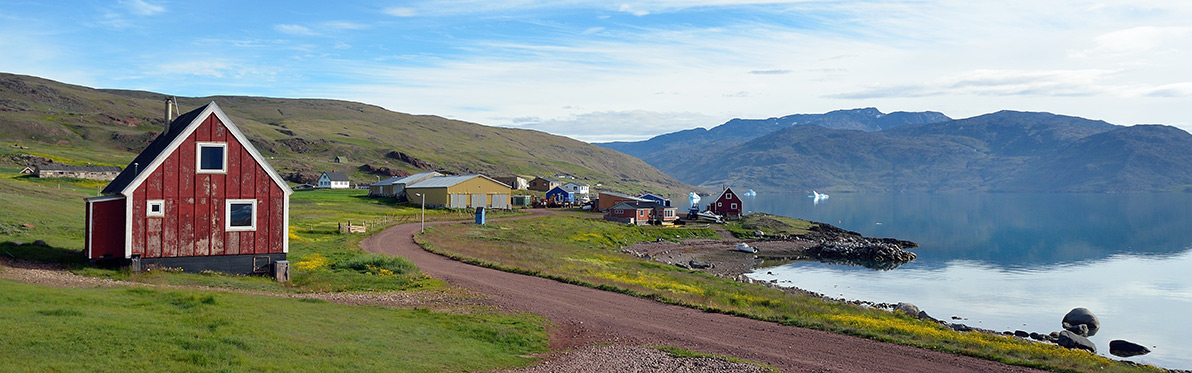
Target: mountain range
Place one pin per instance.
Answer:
(302, 137)
(864, 150)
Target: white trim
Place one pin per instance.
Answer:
(128, 227)
(228, 215)
(89, 228)
(285, 222)
(161, 212)
(199, 145)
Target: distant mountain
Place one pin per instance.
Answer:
(303, 137)
(1003, 151)
(674, 150)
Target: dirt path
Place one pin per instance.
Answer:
(585, 316)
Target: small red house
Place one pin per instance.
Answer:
(631, 212)
(728, 204)
(199, 197)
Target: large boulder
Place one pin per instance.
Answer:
(1069, 339)
(907, 308)
(1122, 348)
(1081, 316)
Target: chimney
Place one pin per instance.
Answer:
(170, 110)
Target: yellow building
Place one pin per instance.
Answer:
(461, 191)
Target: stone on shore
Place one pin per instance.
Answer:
(1081, 316)
(1122, 348)
(907, 308)
(1068, 339)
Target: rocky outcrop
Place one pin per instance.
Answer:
(863, 251)
(1069, 339)
(412, 160)
(302, 146)
(1081, 321)
(1122, 348)
(907, 308)
(385, 171)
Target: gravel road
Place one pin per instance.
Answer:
(585, 317)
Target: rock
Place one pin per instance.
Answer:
(924, 316)
(1038, 337)
(1122, 348)
(1081, 316)
(1021, 334)
(907, 308)
(28, 226)
(759, 233)
(1068, 339)
(699, 265)
(40, 243)
(1081, 329)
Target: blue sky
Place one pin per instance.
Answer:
(604, 71)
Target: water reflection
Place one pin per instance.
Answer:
(1019, 261)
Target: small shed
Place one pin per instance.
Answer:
(460, 191)
(560, 196)
(334, 180)
(514, 182)
(200, 198)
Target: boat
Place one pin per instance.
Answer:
(708, 215)
(744, 247)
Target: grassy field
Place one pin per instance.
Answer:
(586, 251)
(144, 329)
(141, 329)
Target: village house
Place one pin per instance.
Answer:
(606, 200)
(728, 204)
(81, 172)
(577, 188)
(334, 180)
(543, 184)
(460, 191)
(28, 170)
(560, 196)
(641, 213)
(514, 182)
(199, 197)
(396, 186)
(656, 198)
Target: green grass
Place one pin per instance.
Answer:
(772, 225)
(587, 252)
(142, 329)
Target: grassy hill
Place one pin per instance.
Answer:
(302, 137)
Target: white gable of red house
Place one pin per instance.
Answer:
(728, 204)
(200, 190)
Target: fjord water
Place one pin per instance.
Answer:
(1019, 261)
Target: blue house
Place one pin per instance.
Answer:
(559, 195)
(656, 198)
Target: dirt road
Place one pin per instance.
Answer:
(585, 316)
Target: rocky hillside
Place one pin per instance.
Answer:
(303, 137)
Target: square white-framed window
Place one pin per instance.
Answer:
(211, 157)
(155, 208)
(240, 215)
(728, 196)
(733, 206)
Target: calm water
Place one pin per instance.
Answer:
(1020, 261)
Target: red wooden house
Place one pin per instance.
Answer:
(200, 197)
(728, 204)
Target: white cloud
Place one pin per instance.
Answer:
(141, 7)
(626, 8)
(295, 30)
(616, 125)
(401, 12)
(345, 25)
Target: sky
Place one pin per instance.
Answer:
(625, 71)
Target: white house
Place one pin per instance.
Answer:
(576, 188)
(334, 180)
